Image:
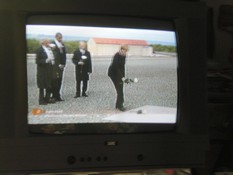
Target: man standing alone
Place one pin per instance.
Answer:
(58, 68)
(83, 67)
(116, 72)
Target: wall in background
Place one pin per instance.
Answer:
(223, 40)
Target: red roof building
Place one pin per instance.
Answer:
(109, 46)
(120, 41)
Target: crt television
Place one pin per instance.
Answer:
(158, 130)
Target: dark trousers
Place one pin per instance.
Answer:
(78, 86)
(120, 94)
(44, 95)
(56, 87)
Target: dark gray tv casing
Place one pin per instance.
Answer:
(185, 146)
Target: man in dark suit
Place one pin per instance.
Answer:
(83, 67)
(116, 72)
(58, 68)
(45, 62)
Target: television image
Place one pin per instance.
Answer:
(151, 93)
(164, 122)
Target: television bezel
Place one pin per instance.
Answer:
(22, 152)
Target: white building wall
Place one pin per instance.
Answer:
(135, 50)
(111, 49)
(91, 46)
(140, 50)
(147, 51)
(106, 49)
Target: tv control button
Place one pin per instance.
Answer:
(71, 160)
(140, 157)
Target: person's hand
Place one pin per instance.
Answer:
(123, 79)
(128, 80)
(80, 63)
(49, 60)
(61, 66)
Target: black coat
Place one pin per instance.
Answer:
(44, 70)
(82, 71)
(60, 58)
(116, 69)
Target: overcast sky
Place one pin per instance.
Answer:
(101, 32)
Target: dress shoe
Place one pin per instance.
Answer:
(59, 99)
(51, 101)
(43, 103)
(122, 108)
(85, 95)
(76, 96)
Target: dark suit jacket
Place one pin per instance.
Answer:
(44, 70)
(82, 71)
(116, 69)
(60, 58)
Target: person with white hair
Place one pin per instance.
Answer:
(44, 61)
(83, 67)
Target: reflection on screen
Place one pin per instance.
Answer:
(68, 78)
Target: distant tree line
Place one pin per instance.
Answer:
(34, 44)
(163, 48)
(71, 46)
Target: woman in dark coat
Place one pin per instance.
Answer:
(44, 61)
(116, 72)
(83, 67)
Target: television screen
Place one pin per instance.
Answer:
(115, 78)
(92, 89)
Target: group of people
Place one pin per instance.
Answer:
(51, 62)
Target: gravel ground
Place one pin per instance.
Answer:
(157, 86)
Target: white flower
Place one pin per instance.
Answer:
(52, 45)
(144, 111)
(84, 57)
